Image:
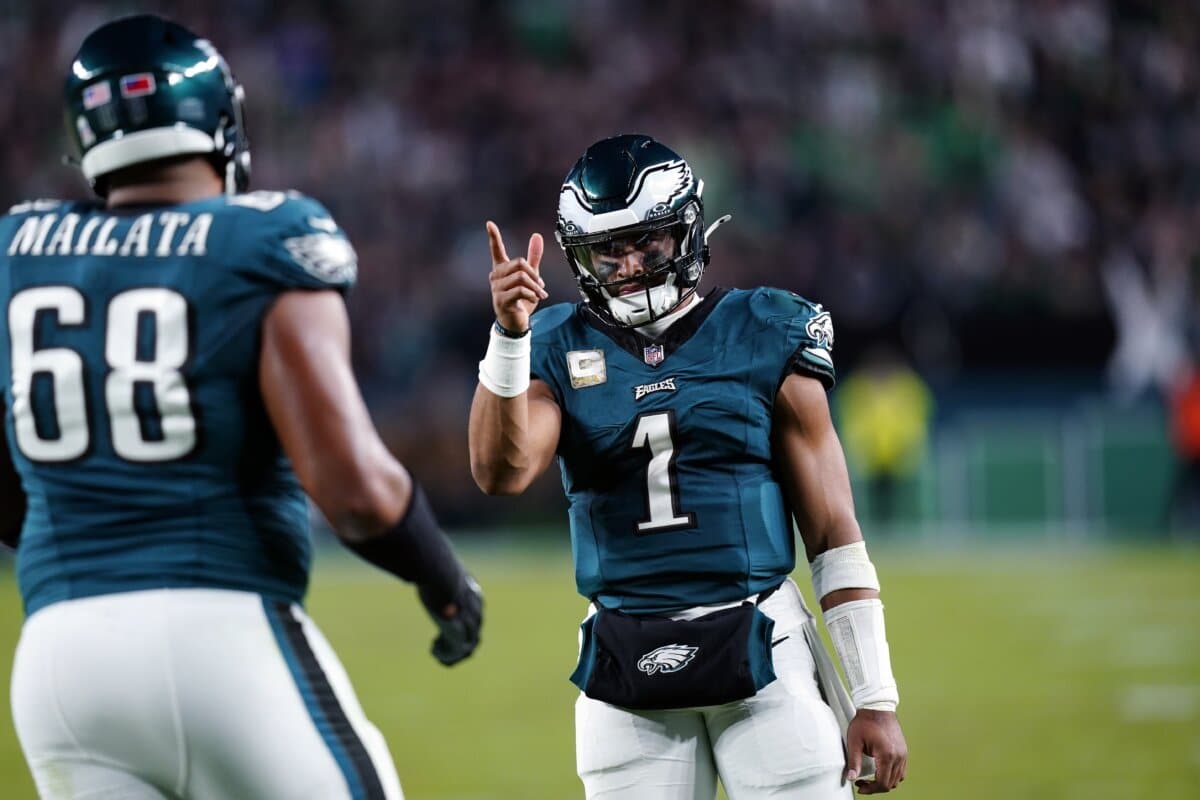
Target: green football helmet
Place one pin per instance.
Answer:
(631, 199)
(143, 88)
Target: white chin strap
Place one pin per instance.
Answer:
(631, 309)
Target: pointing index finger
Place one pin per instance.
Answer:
(497, 244)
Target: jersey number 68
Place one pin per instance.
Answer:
(149, 407)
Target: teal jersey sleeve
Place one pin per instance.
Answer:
(298, 243)
(805, 330)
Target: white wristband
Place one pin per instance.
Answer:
(845, 567)
(858, 635)
(504, 370)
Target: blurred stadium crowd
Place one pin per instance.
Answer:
(982, 184)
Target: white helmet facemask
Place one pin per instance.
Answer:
(635, 276)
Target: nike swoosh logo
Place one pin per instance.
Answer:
(781, 639)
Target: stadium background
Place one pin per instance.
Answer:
(998, 202)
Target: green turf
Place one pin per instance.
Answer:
(1049, 674)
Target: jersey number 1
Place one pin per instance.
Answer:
(656, 431)
(149, 407)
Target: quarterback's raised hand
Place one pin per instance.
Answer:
(877, 734)
(517, 287)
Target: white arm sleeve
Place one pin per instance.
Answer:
(857, 627)
(860, 640)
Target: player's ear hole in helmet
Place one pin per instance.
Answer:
(631, 222)
(143, 89)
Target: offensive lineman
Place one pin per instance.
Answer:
(175, 368)
(687, 429)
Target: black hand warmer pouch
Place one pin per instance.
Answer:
(649, 662)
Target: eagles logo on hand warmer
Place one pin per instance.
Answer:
(668, 658)
(623, 655)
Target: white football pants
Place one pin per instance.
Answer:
(784, 742)
(191, 693)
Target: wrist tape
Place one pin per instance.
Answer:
(860, 640)
(845, 567)
(504, 370)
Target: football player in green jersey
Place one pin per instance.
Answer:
(691, 429)
(175, 374)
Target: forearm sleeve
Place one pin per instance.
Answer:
(416, 550)
(857, 627)
(859, 637)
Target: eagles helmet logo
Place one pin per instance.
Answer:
(668, 658)
(820, 330)
(653, 195)
(658, 187)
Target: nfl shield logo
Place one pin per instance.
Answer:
(653, 354)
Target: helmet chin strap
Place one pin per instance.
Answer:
(230, 167)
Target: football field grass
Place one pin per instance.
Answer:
(1032, 673)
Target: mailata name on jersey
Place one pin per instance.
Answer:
(163, 233)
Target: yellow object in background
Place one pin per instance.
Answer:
(884, 409)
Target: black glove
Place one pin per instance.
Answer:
(458, 636)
